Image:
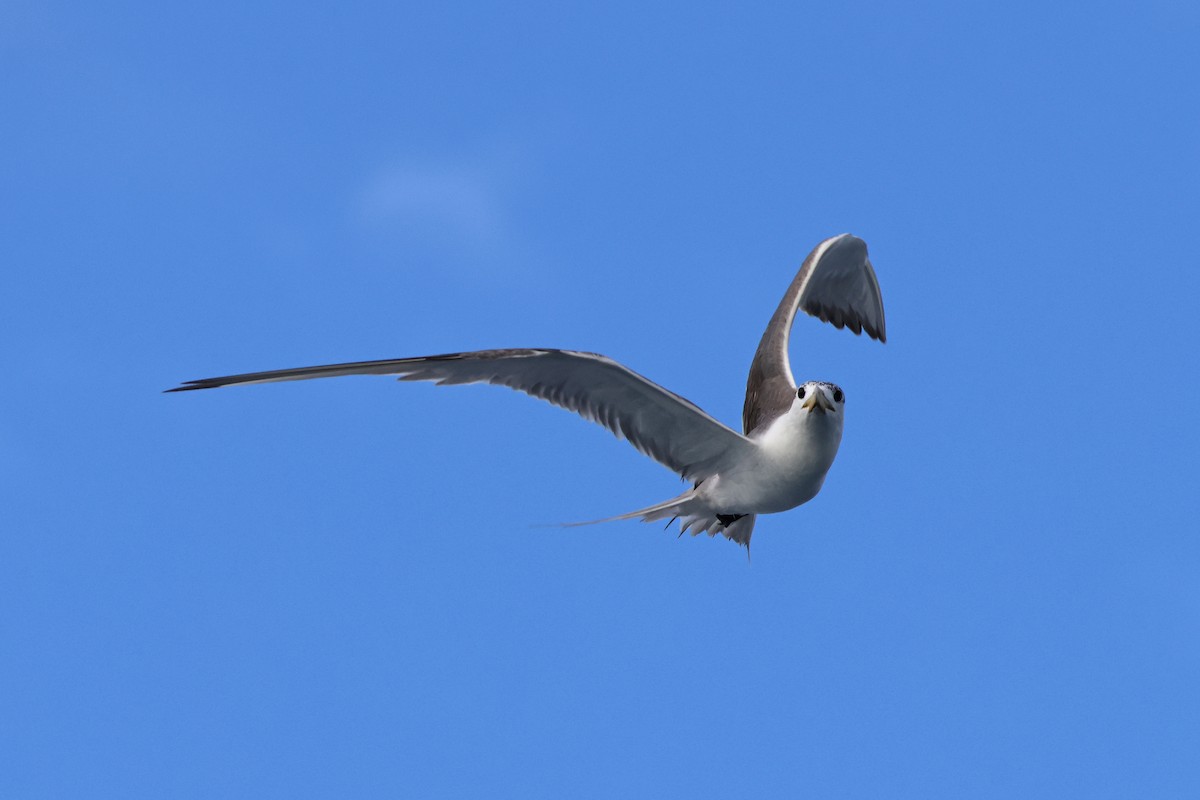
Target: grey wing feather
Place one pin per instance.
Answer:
(837, 284)
(659, 423)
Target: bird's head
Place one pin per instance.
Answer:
(816, 399)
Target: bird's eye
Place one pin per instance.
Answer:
(800, 393)
(838, 396)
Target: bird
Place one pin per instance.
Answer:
(790, 433)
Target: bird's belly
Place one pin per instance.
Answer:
(759, 495)
(776, 480)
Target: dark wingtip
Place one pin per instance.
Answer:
(840, 320)
(187, 387)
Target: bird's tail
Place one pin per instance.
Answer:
(675, 507)
(693, 518)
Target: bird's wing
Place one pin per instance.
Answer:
(659, 423)
(837, 284)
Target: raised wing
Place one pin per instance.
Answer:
(837, 284)
(659, 423)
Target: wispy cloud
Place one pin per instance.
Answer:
(439, 200)
(460, 208)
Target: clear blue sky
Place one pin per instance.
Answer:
(338, 589)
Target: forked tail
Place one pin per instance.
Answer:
(694, 517)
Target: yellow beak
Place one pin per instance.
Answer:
(817, 402)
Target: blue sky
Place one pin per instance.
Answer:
(338, 588)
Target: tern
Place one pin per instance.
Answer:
(791, 432)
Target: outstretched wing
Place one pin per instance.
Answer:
(659, 423)
(836, 284)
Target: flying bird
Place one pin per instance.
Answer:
(790, 433)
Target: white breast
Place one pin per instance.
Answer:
(787, 469)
